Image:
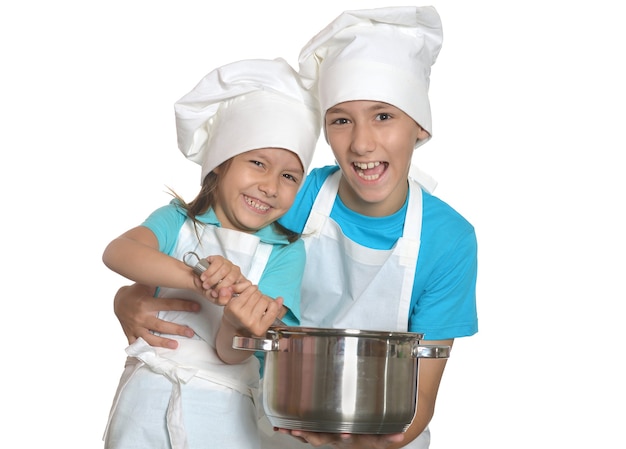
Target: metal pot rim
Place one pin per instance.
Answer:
(278, 331)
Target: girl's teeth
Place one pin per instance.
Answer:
(254, 204)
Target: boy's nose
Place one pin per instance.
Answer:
(363, 140)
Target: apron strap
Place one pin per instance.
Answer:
(427, 182)
(261, 256)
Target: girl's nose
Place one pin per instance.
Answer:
(269, 186)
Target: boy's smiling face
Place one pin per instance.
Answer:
(373, 143)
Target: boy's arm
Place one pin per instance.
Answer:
(430, 374)
(137, 309)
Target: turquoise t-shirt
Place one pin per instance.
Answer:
(443, 303)
(282, 275)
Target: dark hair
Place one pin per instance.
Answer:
(206, 199)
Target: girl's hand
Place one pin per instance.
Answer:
(222, 280)
(251, 312)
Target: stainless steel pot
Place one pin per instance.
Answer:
(340, 380)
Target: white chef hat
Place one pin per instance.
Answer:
(382, 54)
(246, 105)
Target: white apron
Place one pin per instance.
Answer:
(221, 397)
(349, 286)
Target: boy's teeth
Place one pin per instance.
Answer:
(365, 166)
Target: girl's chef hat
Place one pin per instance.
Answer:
(246, 105)
(382, 54)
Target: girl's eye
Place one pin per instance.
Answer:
(290, 177)
(257, 163)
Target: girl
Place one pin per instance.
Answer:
(253, 129)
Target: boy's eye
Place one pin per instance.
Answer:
(383, 116)
(339, 121)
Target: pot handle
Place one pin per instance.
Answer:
(431, 352)
(254, 344)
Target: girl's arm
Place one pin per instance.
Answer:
(136, 256)
(251, 313)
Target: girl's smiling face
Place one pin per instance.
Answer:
(373, 143)
(257, 188)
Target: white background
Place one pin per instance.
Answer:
(528, 111)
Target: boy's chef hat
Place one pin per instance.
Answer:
(382, 54)
(246, 105)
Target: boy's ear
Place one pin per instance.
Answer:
(422, 134)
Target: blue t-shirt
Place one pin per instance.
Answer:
(443, 304)
(283, 273)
